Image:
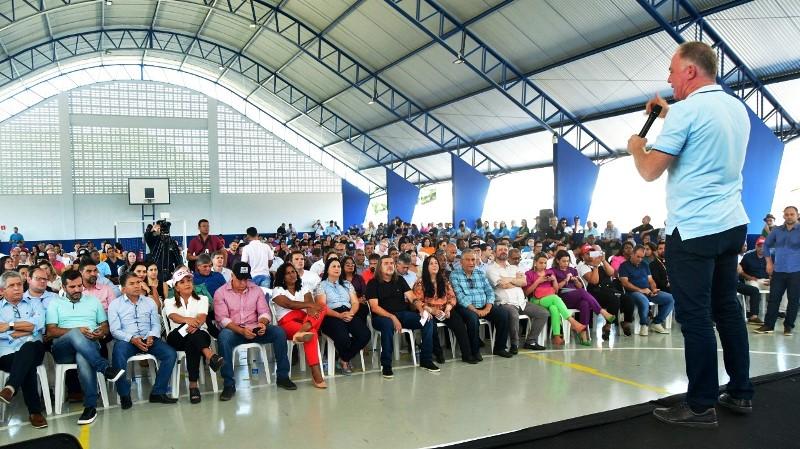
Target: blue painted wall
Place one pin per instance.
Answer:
(354, 205)
(575, 176)
(401, 197)
(469, 192)
(760, 174)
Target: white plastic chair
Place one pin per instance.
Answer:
(489, 328)
(396, 337)
(41, 373)
(440, 325)
(332, 356)
(60, 379)
(262, 352)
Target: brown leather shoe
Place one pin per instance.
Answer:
(6, 394)
(38, 421)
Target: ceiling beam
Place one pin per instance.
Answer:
(567, 60)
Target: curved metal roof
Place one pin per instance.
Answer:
(373, 89)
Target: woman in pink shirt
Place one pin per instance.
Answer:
(541, 289)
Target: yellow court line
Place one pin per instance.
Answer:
(84, 437)
(595, 372)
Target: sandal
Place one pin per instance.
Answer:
(194, 395)
(302, 337)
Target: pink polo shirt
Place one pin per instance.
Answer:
(100, 291)
(244, 309)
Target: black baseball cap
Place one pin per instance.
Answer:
(241, 270)
(41, 255)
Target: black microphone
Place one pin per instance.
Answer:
(650, 119)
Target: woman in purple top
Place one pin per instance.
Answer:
(574, 294)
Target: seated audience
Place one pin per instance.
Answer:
(243, 316)
(205, 275)
(404, 264)
(37, 287)
(508, 280)
(439, 300)
(658, 267)
(77, 324)
(299, 316)
(640, 286)
(475, 302)
(339, 299)
(219, 264)
(188, 329)
(541, 287)
(573, 291)
(21, 348)
(389, 298)
(596, 273)
(136, 326)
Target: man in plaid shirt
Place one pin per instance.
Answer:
(476, 301)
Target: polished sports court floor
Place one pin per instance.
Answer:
(415, 409)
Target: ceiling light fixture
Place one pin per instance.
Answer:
(253, 25)
(460, 56)
(374, 98)
(109, 3)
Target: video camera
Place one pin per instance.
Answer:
(164, 225)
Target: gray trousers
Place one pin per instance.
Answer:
(538, 319)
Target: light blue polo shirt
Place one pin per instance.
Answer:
(88, 312)
(708, 134)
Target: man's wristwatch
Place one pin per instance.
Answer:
(11, 325)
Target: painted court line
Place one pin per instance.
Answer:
(595, 372)
(84, 437)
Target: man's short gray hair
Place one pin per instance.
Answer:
(7, 276)
(404, 258)
(203, 259)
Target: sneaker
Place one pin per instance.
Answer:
(683, 415)
(534, 346)
(387, 372)
(88, 416)
(740, 406)
(627, 329)
(37, 421)
(470, 360)
(6, 394)
(430, 366)
(439, 357)
(644, 330)
(162, 399)
(113, 374)
(514, 350)
(125, 402)
(755, 321)
(658, 328)
(227, 393)
(503, 353)
(787, 331)
(286, 384)
(764, 330)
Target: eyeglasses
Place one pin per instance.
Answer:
(17, 315)
(471, 283)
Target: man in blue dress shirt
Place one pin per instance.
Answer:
(136, 326)
(784, 267)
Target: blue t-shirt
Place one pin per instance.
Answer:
(636, 275)
(708, 134)
(212, 282)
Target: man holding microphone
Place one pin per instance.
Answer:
(702, 146)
